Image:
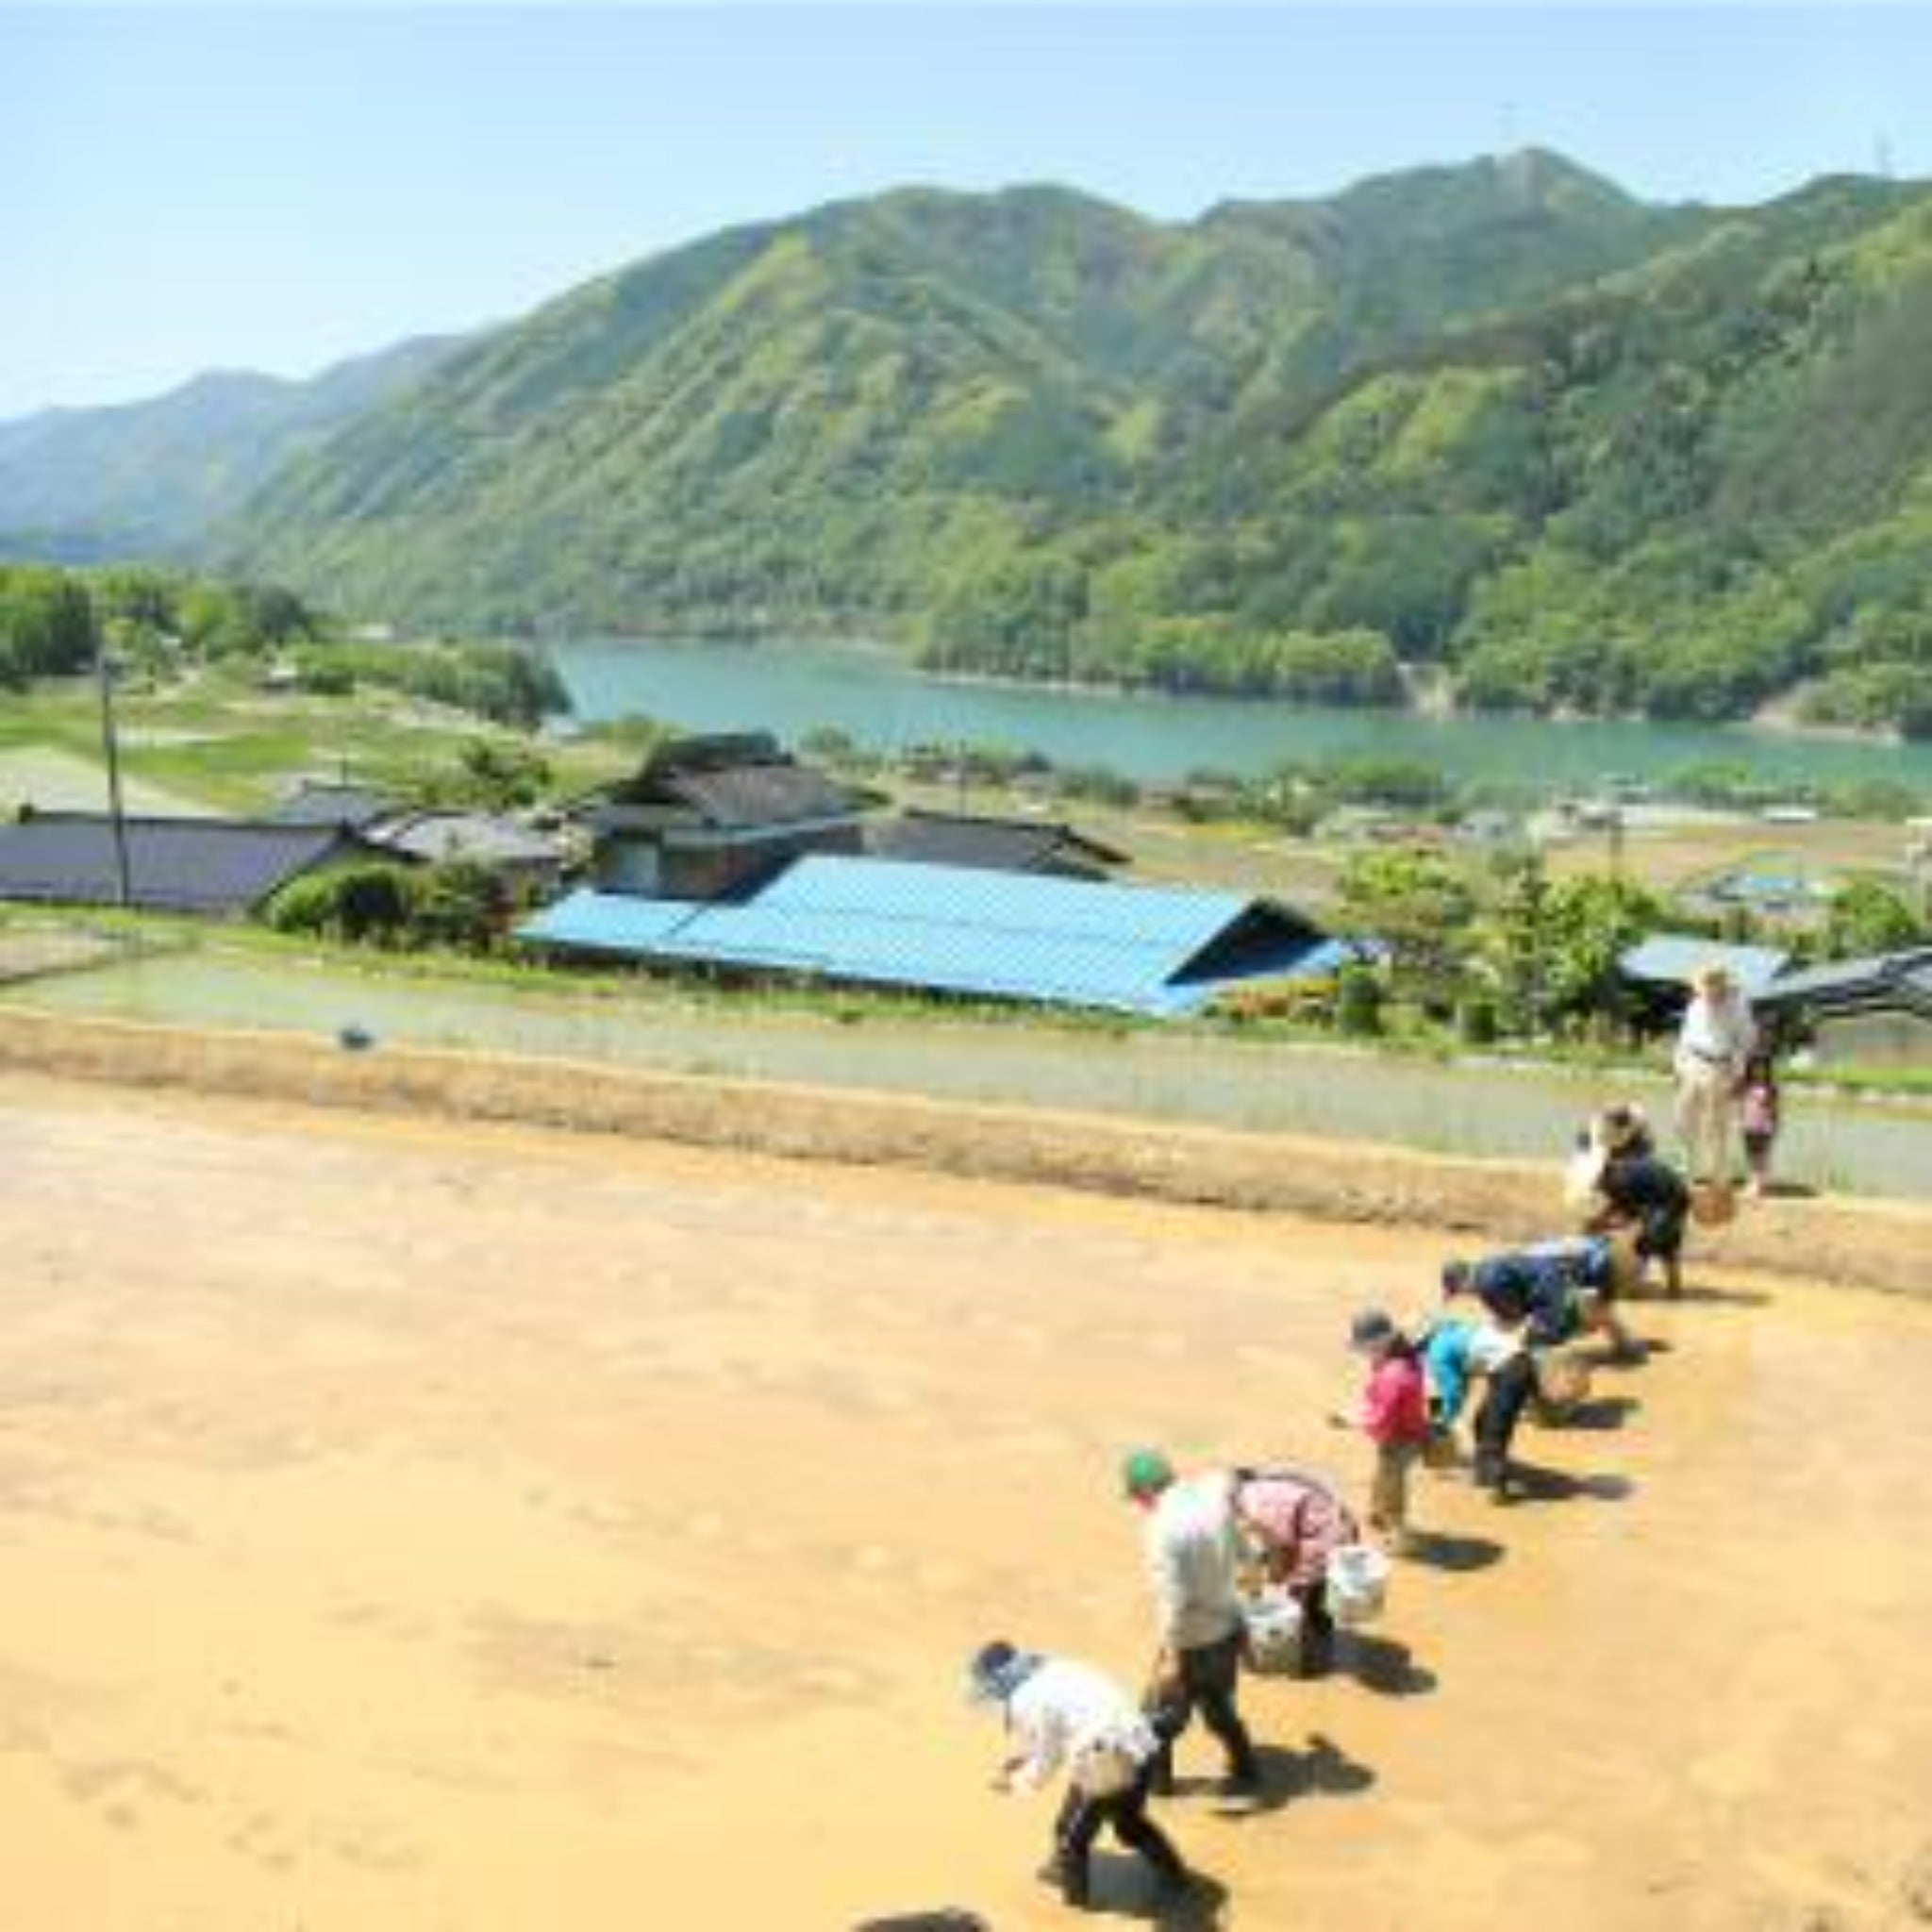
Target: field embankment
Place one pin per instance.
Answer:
(1863, 1243)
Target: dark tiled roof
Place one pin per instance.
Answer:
(174, 865)
(992, 844)
(775, 794)
(354, 806)
(1896, 980)
(730, 783)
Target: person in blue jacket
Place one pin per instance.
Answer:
(1537, 1298)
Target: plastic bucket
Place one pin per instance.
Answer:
(1105, 1771)
(1273, 1622)
(1562, 1381)
(1357, 1585)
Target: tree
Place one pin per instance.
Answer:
(1865, 917)
(47, 624)
(458, 907)
(1554, 947)
(1419, 905)
(494, 775)
(368, 903)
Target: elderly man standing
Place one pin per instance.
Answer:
(1714, 1046)
(1193, 1550)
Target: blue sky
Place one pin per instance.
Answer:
(277, 186)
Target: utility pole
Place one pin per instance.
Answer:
(111, 748)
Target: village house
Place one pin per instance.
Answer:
(217, 868)
(706, 818)
(994, 844)
(1871, 1012)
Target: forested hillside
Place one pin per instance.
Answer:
(149, 478)
(1499, 426)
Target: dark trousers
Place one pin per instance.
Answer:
(1510, 1389)
(1126, 1812)
(1318, 1627)
(1205, 1680)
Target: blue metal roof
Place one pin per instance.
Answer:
(960, 929)
(1671, 958)
(608, 923)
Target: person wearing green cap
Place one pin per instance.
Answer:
(1193, 1551)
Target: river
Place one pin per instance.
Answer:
(790, 686)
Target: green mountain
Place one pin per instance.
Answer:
(814, 417)
(1499, 424)
(150, 478)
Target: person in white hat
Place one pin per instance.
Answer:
(1064, 1715)
(1714, 1046)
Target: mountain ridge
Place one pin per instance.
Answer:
(1498, 418)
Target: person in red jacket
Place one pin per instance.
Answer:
(1395, 1418)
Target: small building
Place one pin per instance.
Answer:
(994, 844)
(519, 854)
(709, 818)
(332, 802)
(1491, 831)
(965, 931)
(1871, 1012)
(218, 868)
(1658, 971)
(1787, 897)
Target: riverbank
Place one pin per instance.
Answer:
(1872, 1244)
(413, 1524)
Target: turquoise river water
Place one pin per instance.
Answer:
(790, 686)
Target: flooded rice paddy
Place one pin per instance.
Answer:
(1833, 1142)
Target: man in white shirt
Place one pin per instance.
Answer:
(1191, 1549)
(1066, 1715)
(1714, 1046)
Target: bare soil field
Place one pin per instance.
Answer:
(412, 1526)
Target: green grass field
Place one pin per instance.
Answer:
(221, 745)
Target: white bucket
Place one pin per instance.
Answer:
(1105, 1771)
(1274, 1624)
(1562, 1381)
(1358, 1584)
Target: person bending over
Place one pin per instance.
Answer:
(1297, 1521)
(1066, 1716)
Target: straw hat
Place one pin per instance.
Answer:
(1712, 976)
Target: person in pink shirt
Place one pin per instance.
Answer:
(1394, 1417)
(1297, 1521)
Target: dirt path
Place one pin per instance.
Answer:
(408, 1527)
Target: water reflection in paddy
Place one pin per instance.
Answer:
(1831, 1141)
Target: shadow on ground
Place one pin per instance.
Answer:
(1125, 1889)
(1601, 1412)
(947, 1918)
(1437, 1549)
(1383, 1665)
(1533, 1484)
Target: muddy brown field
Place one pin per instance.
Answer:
(409, 1527)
